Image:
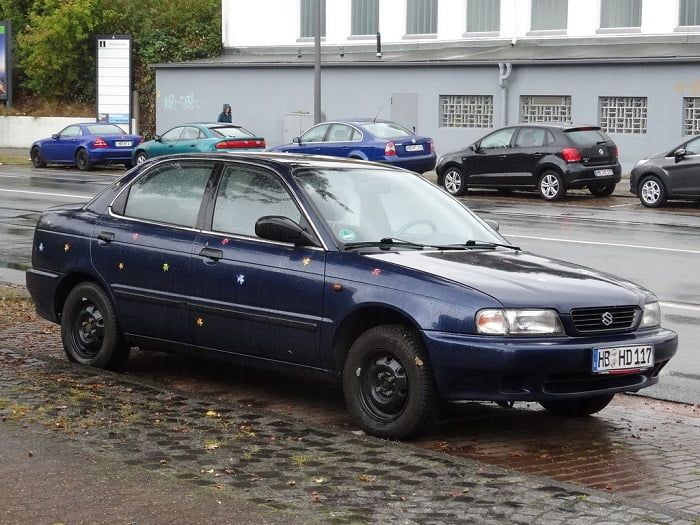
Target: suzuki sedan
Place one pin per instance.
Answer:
(365, 274)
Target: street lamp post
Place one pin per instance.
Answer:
(317, 61)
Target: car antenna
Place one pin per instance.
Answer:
(378, 112)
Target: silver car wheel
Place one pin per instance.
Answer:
(453, 182)
(549, 186)
(650, 191)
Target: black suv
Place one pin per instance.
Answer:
(549, 157)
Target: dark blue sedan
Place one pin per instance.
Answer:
(367, 139)
(366, 274)
(85, 145)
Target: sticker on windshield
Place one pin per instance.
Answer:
(346, 235)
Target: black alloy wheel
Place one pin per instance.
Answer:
(37, 158)
(82, 160)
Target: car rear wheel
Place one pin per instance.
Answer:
(453, 181)
(551, 186)
(89, 329)
(141, 157)
(584, 406)
(37, 158)
(388, 383)
(82, 160)
(602, 190)
(652, 192)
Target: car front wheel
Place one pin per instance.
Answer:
(82, 160)
(454, 182)
(652, 192)
(551, 186)
(141, 157)
(388, 382)
(89, 329)
(38, 158)
(584, 406)
(602, 190)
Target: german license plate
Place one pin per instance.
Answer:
(123, 143)
(603, 173)
(621, 358)
(414, 147)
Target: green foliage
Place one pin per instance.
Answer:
(56, 40)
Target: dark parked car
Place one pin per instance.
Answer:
(365, 274)
(199, 136)
(85, 145)
(367, 139)
(671, 174)
(549, 157)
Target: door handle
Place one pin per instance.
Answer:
(212, 253)
(105, 237)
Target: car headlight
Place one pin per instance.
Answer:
(651, 315)
(518, 322)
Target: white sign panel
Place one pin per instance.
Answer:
(114, 79)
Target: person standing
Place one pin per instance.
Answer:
(225, 115)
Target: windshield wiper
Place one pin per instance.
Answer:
(385, 244)
(489, 244)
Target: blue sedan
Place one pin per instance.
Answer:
(85, 145)
(367, 139)
(365, 274)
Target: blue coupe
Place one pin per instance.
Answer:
(365, 274)
(367, 139)
(85, 145)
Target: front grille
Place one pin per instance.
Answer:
(610, 319)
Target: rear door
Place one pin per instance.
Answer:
(530, 145)
(142, 250)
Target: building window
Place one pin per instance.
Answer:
(689, 13)
(623, 114)
(365, 17)
(307, 19)
(421, 17)
(466, 111)
(691, 115)
(549, 14)
(620, 13)
(545, 108)
(483, 16)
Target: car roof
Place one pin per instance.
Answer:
(564, 126)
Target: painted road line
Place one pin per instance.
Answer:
(49, 194)
(598, 243)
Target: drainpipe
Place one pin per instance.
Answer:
(504, 71)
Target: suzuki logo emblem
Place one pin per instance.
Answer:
(607, 318)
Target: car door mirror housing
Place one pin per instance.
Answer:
(282, 229)
(679, 154)
(296, 140)
(157, 138)
(55, 136)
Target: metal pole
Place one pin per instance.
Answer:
(317, 61)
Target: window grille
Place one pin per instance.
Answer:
(691, 115)
(483, 16)
(365, 17)
(623, 114)
(545, 108)
(307, 19)
(549, 14)
(689, 13)
(620, 13)
(466, 111)
(421, 17)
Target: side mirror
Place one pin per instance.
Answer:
(493, 224)
(282, 229)
(679, 154)
(55, 136)
(156, 138)
(296, 140)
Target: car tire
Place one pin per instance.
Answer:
(551, 186)
(128, 165)
(388, 383)
(82, 160)
(140, 157)
(652, 192)
(580, 407)
(602, 190)
(89, 329)
(37, 158)
(453, 181)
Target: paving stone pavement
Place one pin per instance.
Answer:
(319, 474)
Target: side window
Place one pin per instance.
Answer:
(189, 133)
(70, 131)
(693, 147)
(171, 194)
(498, 139)
(340, 133)
(315, 134)
(246, 194)
(531, 138)
(172, 135)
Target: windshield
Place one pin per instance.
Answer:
(367, 204)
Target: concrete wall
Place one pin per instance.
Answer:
(20, 132)
(262, 97)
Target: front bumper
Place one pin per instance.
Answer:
(509, 369)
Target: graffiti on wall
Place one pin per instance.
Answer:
(180, 102)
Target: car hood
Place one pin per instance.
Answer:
(521, 279)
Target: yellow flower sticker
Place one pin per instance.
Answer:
(305, 261)
(66, 247)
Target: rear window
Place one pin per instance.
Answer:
(104, 129)
(585, 138)
(387, 130)
(231, 131)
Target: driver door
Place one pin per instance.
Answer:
(491, 164)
